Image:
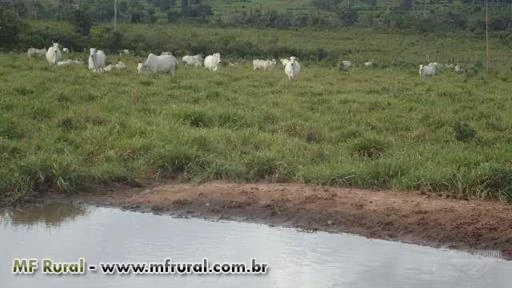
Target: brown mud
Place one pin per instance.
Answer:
(412, 217)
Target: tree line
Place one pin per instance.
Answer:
(425, 16)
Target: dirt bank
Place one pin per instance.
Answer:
(412, 217)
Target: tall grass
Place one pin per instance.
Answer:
(64, 128)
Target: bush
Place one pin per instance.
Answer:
(464, 132)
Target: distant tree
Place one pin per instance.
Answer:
(123, 7)
(455, 20)
(151, 14)
(372, 3)
(406, 5)
(82, 21)
(195, 9)
(65, 9)
(348, 17)
(164, 5)
(10, 25)
(200, 10)
(136, 16)
(172, 16)
(184, 8)
(21, 8)
(136, 11)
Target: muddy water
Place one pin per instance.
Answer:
(296, 259)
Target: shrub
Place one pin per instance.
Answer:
(464, 132)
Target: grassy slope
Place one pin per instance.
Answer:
(63, 127)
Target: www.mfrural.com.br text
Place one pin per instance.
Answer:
(46, 266)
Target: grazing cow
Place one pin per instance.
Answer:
(368, 64)
(124, 52)
(292, 68)
(96, 60)
(458, 69)
(427, 70)
(263, 64)
(346, 64)
(65, 50)
(195, 60)
(211, 62)
(437, 67)
(53, 55)
(36, 52)
(158, 64)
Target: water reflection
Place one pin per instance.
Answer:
(295, 259)
(52, 214)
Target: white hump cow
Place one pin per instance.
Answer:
(263, 64)
(212, 62)
(36, 52)
(196, 60)
(53, 55)
(158, 64)
(96, 60)
(292, 68)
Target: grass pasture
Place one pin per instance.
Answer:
(64, 128)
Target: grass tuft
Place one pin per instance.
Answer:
(369, 147)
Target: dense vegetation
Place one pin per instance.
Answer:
(17, 18)
(415, 15)
(382, 127)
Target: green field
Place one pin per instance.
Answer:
(66, 129)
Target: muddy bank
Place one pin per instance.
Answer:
(412, 217)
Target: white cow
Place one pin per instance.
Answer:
(458, 69)
(108, 68)
(195, 60)
(436, 66)
(263, 64)
(368, 64)
(96, 60)
(36, 52)
(119, 66)
(284, 61)
(427, 70)
(53, 55)
(292, 68)
(124, 52)
(346, 64)
(65, 50)
(158, 64)
(211, 62)
(68, 62)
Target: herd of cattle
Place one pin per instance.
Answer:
(166, 62)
